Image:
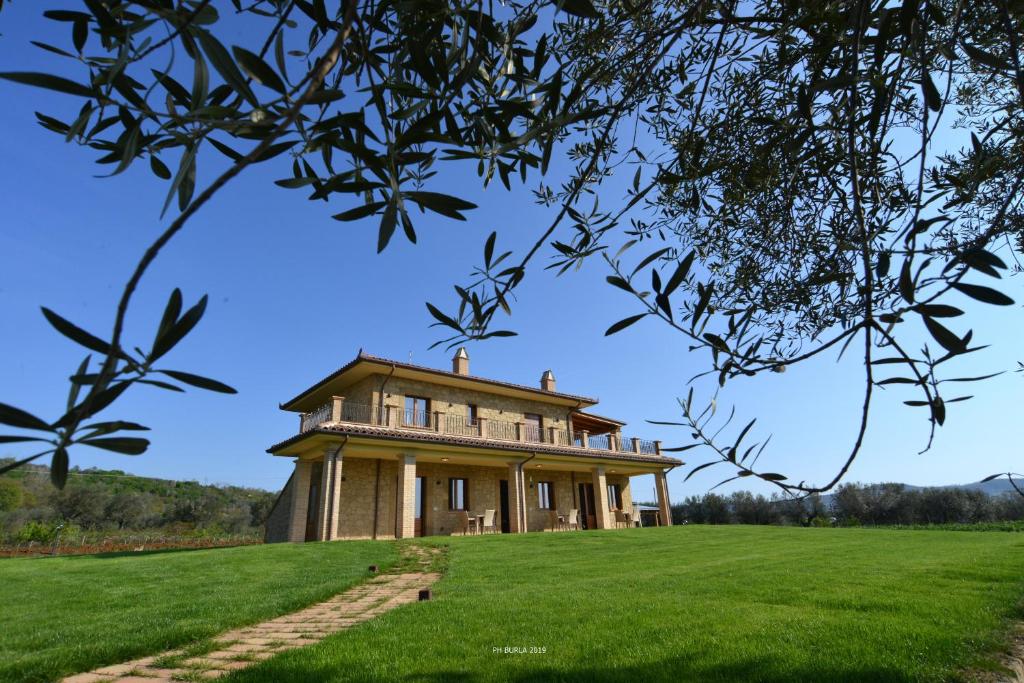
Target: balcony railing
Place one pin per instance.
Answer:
(340, 411)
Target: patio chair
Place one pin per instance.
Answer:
(621, 519)
(465, 523)
(634, 517)
(489, 522)
(554, 522)
(573, 520)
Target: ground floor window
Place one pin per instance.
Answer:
(546, 495)
(614, 497)
(458, 494)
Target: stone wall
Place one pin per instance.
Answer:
(484, 494)
(361, 483)
(360, 487)
(454, 401)
(279, 519)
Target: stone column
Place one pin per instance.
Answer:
(406, 514)
(636, 444)
(515, 499)
(481, 423)
(603, 514)
(584, 438)
(324, 513)
(337, 469)
(664, 506)
(337, 405)
(300, 500)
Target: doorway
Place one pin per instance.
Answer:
(419, 527)
(588, 514)
(313, 503)
(506, 525)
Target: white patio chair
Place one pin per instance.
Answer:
(489, 522)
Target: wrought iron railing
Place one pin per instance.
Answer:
(503, 431)
(460, 425)
(417, 418)
(533, 432)
(315, 418)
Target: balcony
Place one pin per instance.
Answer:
(341, 411)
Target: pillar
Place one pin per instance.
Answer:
(516, 497)
(300, 500)
(337, 408)
(603, 514)
(323, 519)
(406, 515)
(664, 506)
(330, 496)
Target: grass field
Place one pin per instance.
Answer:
(694, 603)
(63, 615)
(690, 604)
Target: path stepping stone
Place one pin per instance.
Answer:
(242, 647)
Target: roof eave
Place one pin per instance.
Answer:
(385, 362)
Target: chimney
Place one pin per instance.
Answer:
(547, 381)
(460, 362)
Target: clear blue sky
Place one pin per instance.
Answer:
(294, 295)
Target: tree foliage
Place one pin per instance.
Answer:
(805, 176)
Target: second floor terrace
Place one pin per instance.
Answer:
(416, 420)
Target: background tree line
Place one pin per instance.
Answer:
(854, 505)
(113, 501)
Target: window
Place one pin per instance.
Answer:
(546, 495)
(614, 497)
(458, 494)
(534, 424)
(417, 411)
(471, 415)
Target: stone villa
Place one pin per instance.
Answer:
(393, 450)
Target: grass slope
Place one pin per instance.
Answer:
(690, 604)
(63, 615)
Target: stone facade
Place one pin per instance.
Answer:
(368, 488)
(455, 401)
(280, 518)
(366, 485)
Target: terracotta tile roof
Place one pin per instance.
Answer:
(351, 429)
(365, 357)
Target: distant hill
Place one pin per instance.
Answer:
(97, 499)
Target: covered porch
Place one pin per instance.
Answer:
(351, 487)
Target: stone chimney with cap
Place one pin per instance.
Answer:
(547, 381)
(460, 362)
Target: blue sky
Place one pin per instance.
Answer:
(295, 294)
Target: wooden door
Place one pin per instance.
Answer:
(506, 524)
(313, 507)
(588, 515)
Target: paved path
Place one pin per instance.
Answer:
(242, 647)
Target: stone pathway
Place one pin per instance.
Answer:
(242, 647)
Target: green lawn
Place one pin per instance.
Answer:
(691, 604)
(64, 615)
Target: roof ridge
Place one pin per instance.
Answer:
(363, 356)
